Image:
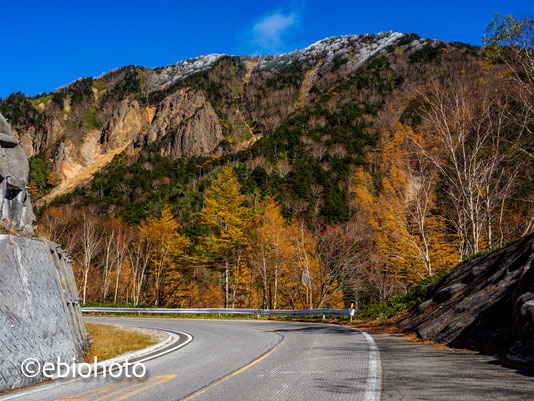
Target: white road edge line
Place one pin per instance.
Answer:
(62, 383)
(373, 386)
(189, 339)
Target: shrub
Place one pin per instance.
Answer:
(402, 302)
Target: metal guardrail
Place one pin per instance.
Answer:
(225, 311)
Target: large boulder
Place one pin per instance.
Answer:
(485, 304)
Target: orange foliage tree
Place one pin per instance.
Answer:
(400, 208)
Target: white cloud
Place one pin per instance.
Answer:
(268, 31)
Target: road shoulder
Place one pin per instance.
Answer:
(417, 371)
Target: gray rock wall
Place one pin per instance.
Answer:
(40, 316)
(16, 213)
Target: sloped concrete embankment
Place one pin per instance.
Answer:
(485, 304)
(39, 312)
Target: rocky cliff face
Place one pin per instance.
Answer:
(187, 121)
(125, 124)
(486, 304)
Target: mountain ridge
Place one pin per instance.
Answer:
(208, 60)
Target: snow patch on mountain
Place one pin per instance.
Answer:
(355, 49)
(186, 68)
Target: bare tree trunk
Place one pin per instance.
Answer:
(119, 268)
(226, 285)
(108, 261)
(250, 289)
(85, 275)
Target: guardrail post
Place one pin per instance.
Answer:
(258, 316)
(219, 315)
(351, 312)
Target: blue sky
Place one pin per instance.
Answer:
(48, 43)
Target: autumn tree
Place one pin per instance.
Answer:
(53, 179)
(400, 209)
(340, 270)
(108, 259)
(271, 249)
(33, 189)
(140, 254)
(511, 41)
(59, 225)
(89, 240)
(226, 218)
(475, 139)
(124, 235)
(168, 247)
(306, 261)
(373, 281)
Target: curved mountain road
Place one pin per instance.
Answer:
(269, 360)
(240, 360)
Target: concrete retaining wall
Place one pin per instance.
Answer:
(40, 316)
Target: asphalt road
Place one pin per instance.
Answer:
(259, 360)
(240, 360)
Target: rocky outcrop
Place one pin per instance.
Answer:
(185, 119)
(15, 207)
(188, 121)
(127, 121)
(485, 304)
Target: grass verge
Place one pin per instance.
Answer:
(110, 341)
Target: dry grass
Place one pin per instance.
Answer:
(110, 341)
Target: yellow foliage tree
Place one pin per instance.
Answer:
(400, 210)
(272, 249)
(166, 253)
(227, 218)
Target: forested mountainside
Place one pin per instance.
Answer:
(321, 106)
(367, 161)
